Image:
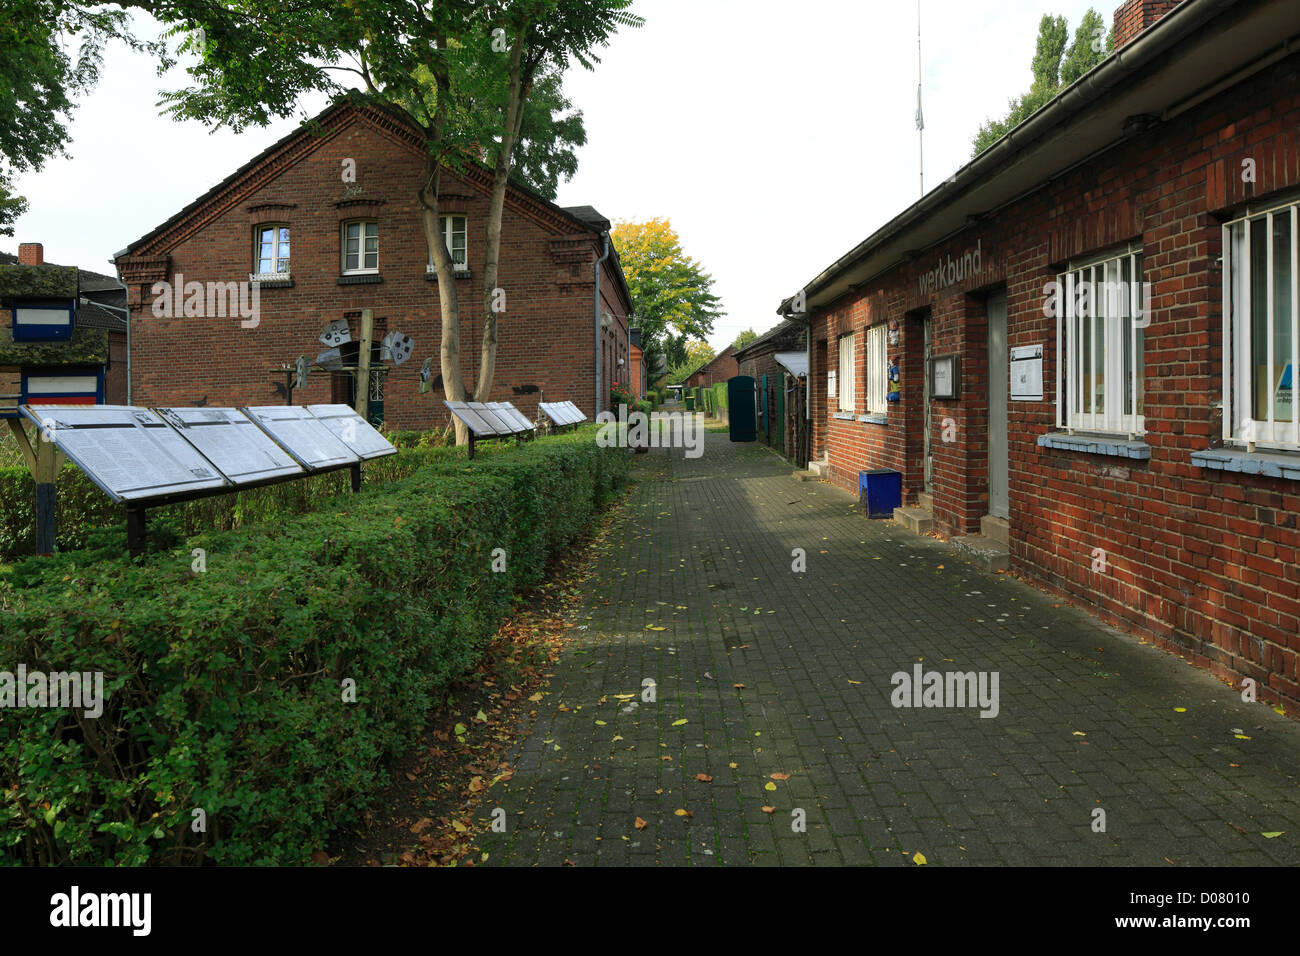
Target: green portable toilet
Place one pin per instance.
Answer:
(741, 411)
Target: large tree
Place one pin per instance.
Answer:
(462, 72)
(1092, 43)
(51, 51)
(671, 293)
(534, 36)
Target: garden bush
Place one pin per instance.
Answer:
(82, 507)
(225, 689)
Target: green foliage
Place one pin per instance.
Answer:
(720, 396)
(1092, 44)
(225, 689)
(50, 52)
(83, 509)
(619, 395)
(671, 293)
(1049, 72)
(744, 338)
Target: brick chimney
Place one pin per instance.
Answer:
(1134, 16)
(31, 254)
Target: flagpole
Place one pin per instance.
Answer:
(920, 122)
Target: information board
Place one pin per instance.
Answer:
(354, 431)
(511, 415)
(476, 422)
(302, 434)
(562, 413)
(1027, 373)
(233, 442)
(129, 452)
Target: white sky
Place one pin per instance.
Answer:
(774, 135)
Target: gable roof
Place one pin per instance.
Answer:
(771, 336)
(332, 120)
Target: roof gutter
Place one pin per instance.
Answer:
(1183, 20)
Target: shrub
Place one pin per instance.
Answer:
(82, 507)
(224, 688)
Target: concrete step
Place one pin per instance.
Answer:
(999, 529)
(988, 553)
(801, 475)
(925, 500)
(819, 468)
(916, 520)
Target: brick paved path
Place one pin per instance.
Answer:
(695, 592)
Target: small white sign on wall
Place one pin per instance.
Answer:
(830, 385)
(1027, 373)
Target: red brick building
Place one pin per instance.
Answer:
(330, 224)
(1095, 327)
(720, 368)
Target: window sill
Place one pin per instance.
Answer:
(844, 416)
(1111, 445)
(1268, 464)
(361, 278)
(271, 280)
(431, 274)
(874, 419)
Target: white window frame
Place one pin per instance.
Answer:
(1240, 428)
(362, 268)
(847, 394)
(275, 272)
(1076, 391)
(448, 233)
(877, 371)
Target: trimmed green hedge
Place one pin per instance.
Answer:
(225, 689)
(82, 508)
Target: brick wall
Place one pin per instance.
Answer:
(1203, 561)
(545, 336)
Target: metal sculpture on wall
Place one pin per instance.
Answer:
(397, 347)
(336, 333)
(426, 373)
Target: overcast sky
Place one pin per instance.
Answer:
(775, 135)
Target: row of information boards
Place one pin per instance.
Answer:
(143, 454)
(486, 420)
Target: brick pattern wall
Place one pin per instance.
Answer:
(1134, 16)
(1202, 561)
(546, 335)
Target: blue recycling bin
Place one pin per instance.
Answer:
(880, 491)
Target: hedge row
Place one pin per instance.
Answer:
(226, 689)
(82, 508)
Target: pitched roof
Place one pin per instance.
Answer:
(331, 112)
(776, 332)
(91, 315)
(86, 347)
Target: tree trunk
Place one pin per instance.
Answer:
(453, 380)
(496, 212)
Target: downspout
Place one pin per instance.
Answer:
(599, 263)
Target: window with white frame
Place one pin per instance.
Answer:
(877, 377)
(1261, 328)
(361, 246)
(847, 396)
(271, 250)
(454, 233)
(1101, 317)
